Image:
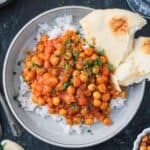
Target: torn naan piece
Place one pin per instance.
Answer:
(112, 30)
(137, 65)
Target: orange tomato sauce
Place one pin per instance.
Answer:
(71, 78)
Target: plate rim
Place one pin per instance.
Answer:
(29, 130)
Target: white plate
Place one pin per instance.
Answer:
(46, 129)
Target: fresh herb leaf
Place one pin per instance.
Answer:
(75, 54)
(90, 45)
(88, 63)
(110, 67)
(81, 36)
(102, 51)
(97, 62)
(36, 65)
(73, 106)
(66, 84)
(66, 66)
(25, 80)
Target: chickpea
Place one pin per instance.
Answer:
(76, 120)
(79, 65)
(103, 59)
(56, 101)
(143, 147)
(40, 47)
(123, 94)
(71, 89)
(30, 75)
(88, 92)
(83, 77)
(53, 80)
(94, 56)
(69, 121)
(89, 121)
(96, 95)
(68, 55)
(82, 55)
(57, 52)
(76, 73)
(44, 38)
(41, 101)
(96, 102)
(102, 88)
(76, 82)
(103, 105)
(148, 148)
(54, 60)
(89, 51)
(107, 121)
(34, 99)
(51, 110)
(91, 87)
(62, 112)
(106, 97)
(95, 70)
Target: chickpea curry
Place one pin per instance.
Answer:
(73, 79)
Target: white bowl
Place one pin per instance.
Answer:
(139, 138)
(46, 129)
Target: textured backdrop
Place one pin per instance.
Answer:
(13, 17)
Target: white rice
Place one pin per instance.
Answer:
(61, 25)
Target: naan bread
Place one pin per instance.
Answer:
(137, 65)
(112, 30)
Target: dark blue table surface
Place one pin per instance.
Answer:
(13, 17)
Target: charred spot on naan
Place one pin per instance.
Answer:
(119, 25)
(146, 46)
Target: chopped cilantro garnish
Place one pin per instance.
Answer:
(66, 66)
(97, 62)
(16, 96)
(110, 67)
(90, 131)
(25, 80)
(66, 84)
(90, 45)
(36, 65)
(19, 62)
(73, 106)
(102, 51)
(75, 54)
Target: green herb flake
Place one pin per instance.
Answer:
(36, 65)
(110, 67)
(75, 54)
(73, 106)
(97, 62)
(19, 62)
(66, 84)
(90, 45)
(66, 66)
(25, 81)
(102, 51)
(90, 131)
(16, 96)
